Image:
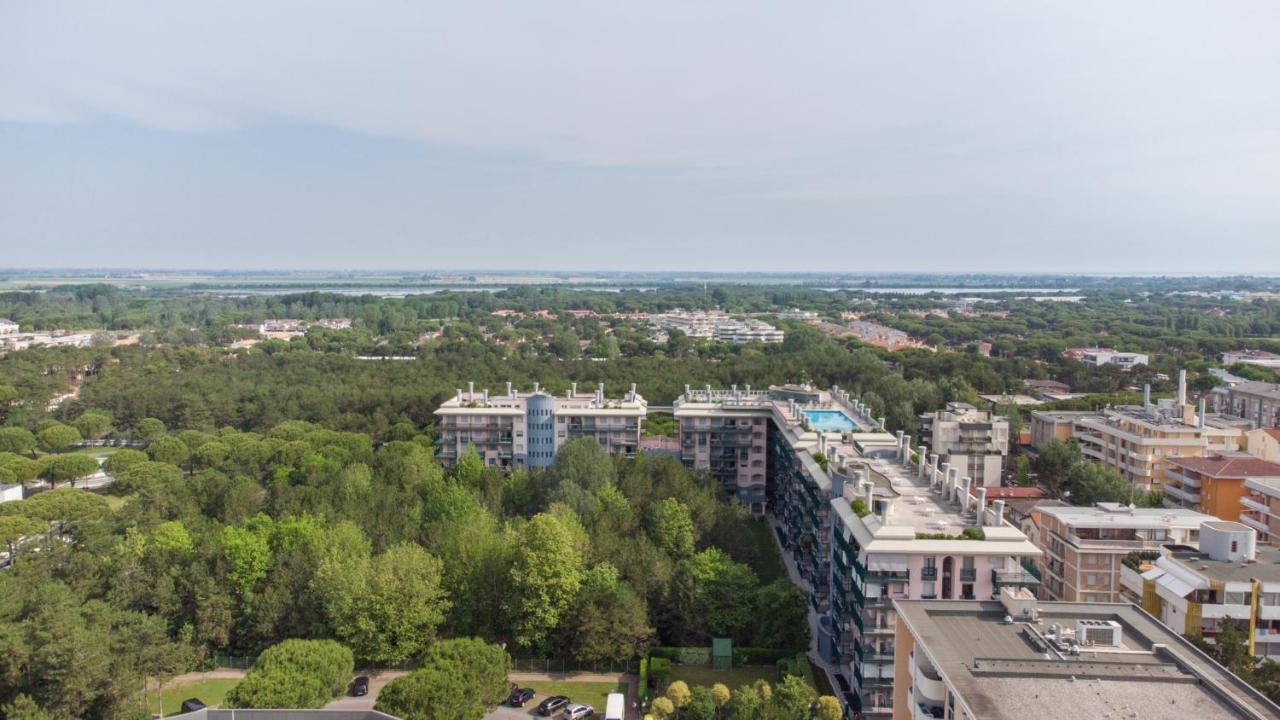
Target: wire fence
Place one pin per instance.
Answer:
(569, 666)
(528, 665)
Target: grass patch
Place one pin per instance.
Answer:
(588, 693)
(115, 502)
(696, 675)
(210, 691)
(766, 561)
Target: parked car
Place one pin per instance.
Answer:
(552, 705)
(360, 686)
(191, 705)
(579, 712)
(520, 696)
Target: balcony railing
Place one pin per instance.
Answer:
(929, 573)
(968, 574)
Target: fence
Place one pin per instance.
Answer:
(534, 665)
(552, 665)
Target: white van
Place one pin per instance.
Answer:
(615, 706)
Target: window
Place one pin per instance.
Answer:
(1090, 559)
(927, 590)
(1233, 546)
(1090, 579)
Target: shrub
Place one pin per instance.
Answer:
(644, 678)
(295, 674)
(860, 508)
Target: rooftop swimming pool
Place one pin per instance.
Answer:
(829, 420)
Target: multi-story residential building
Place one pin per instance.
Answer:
(8, 327)
(1263, 443)
(737, 435)
(1214, 485)
(1228, 579)
(1259, 358)
(1018, 657)
(1107, 356)
(1084, 546)
(975, 441)
(1260, 507)
(1258, 402)
(526, 429)
(749, 330)
(1138, 440)
(905, 528)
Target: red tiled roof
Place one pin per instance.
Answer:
(1229, 467)
(1015, 493)
(1273, 432)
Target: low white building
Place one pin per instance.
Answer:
(10, 493)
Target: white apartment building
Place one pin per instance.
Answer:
(975, 441)
(527, 429)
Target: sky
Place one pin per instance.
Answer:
(733, 135)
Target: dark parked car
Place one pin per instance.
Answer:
(191, 705)
(520, 696)
(360, 686)
(552, 705)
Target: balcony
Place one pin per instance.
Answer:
(929, 573)
(1017, 577)
(1181, 494)
(1255, 504)
(1256, 524)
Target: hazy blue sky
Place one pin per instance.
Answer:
(718, 134)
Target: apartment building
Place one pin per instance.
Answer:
(1263, 443)
(526, 429)
(1138, 440)
(1228, 580)
(906, 527)
(1258, 402)
(1216, 484)
(1017, 657)
(1258, 358)
(1083, 547)
(972, 440)
(8, 327)
(1107, 356)
(745, 331)
(1260, 508)
(740, 436)
(719, 326)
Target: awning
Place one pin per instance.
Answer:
(1174, 586)
(891, 563)
(1152, 574)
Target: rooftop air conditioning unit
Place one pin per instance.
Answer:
(1105, 633)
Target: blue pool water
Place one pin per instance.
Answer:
(829, 420)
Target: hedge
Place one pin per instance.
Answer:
(683, 655)
(644, 680)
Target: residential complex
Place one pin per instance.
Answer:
(1018, 657)
(1084, 546)
(526, 429)
(972, 440)
(874, 333)
(1138, 440)
(1106, 356)
(1215, 484)
(1227, 579)
(8, 327)
(719, 326)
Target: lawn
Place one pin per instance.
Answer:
(743, 675)
(210, 692)
(767, 562)
(589, 693)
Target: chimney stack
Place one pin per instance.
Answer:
(1146, 396)
(1182, 387)
(980, 508)
(997, 509)
(486, 396)
(508, 388)
(537, 387)
(471, 390)
(924, 462)
(1200, 415)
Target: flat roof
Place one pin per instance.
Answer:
(999, 670)
(1112, 515)
(1266, 565)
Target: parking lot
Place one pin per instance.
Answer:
(588, 689)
